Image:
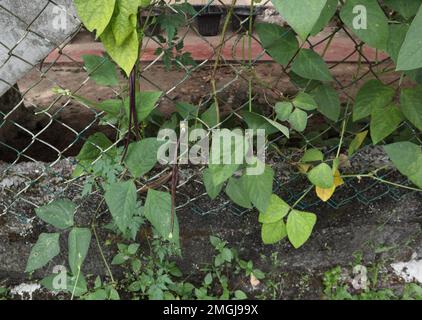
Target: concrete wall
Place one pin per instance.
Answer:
(29, 31)
(32, 29)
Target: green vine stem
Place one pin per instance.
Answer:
(372, 176)
(94, 230)
(218, 57)
(250, 67)
(343, 131)
(97, 240)
(302, 197)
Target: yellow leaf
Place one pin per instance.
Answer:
(357, 142)
(254, 281)
(303, 167)
(338, 180)
(125, 55)
(325, 194)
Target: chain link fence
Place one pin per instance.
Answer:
(42, 132)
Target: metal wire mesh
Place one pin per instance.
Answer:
(41, 132)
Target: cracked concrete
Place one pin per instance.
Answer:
(30, 33)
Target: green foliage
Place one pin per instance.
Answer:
(337, 287)
(412, 291)
(411, 105)
(333, 289)
(173, 53)
(373, 94)
(75, 285)
(309, 65)
(407, 157)
(255, 121)
(357, 142)
(121, 201)
(280, 43)
(225, 262)
(125, 20)
(328, 101)
(46, 248)
(113, 108)
(104, 168)
(375, 32)
(395, 41)
(212, 189)
(58, 213)
(95, 14)
(94, 147)
(259, 188)
(187, 111)
(101, 70)
(146, 102)
(277, 210)
(384, 121)
(125, 55)
(170, 24)
(273, 232)
(158, 212)
(298, 119)
(236, 190)
(224, 254)
(305, 101)
(227, 153)
(142, 156)
(410, 56)
(301, 15)
(321, 176)
(101, 291)
(125, 253)
(283, 110)
(220, 173)
(283, 129)
(4, 292)
(407, 8)
(210, 116)
(156, 276)
(312, 155)
(116, 25)
(299, 227)
(97, 145)
(325, 17)
(79, 241)
(398, 34)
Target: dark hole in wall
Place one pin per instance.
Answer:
(25, 136)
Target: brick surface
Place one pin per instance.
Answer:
(235, 49)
